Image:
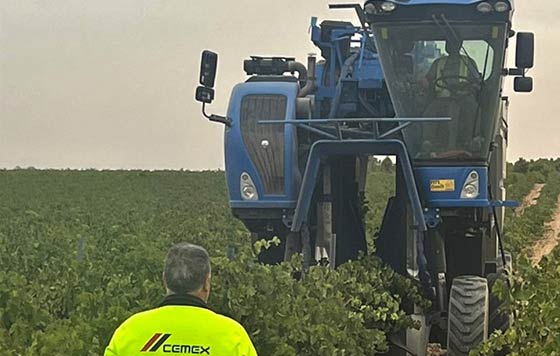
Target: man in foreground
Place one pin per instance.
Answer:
(183, 323)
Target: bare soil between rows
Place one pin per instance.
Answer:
(550, 240)
(531, 199)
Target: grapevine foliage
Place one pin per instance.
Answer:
(82, 251)
(535, 294)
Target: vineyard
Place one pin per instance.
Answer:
(80, 251)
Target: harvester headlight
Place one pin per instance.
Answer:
(248, 189)
(387, 6)
(501, 6)
(484, 7)
(249, 192)
(471, 187)
(470, 191)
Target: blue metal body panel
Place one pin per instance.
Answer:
(323, 91)
(369, 73)
(237, 159)
(425, 175)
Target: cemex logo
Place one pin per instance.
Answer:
(158, 341)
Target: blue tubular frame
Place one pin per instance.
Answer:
(327, 148)
(306, 124)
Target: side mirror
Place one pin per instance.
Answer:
(523, 84)
(205, 92)
(208, 69)
(204, 95)
(525, 52)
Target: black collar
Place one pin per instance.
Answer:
(184, 300)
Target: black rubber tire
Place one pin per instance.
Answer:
(468, 315)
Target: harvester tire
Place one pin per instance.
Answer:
(468, 315)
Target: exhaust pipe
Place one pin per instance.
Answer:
(311, 84)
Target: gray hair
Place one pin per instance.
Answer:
(186, 268)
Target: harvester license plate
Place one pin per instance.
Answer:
(442, 185)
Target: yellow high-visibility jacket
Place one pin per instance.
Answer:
(182, 325)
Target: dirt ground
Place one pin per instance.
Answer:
(551, 239)
(531, 198)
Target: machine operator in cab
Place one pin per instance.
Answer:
(453, 83)
(183, 324)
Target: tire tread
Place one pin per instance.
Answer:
(468, 315)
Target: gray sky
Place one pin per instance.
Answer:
(110, 83)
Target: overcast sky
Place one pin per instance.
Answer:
(110, 83)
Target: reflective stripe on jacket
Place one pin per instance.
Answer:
(442, 70)
(183, 325)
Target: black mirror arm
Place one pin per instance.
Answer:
(518, 72)
(215, 118)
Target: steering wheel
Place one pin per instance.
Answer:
(454, 154)
(427, 151)
(465, 83)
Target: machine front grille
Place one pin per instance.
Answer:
(268, 159)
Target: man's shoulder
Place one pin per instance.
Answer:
(233, 324)
(138, 318)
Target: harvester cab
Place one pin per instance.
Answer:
(420, 80)
(447, 60)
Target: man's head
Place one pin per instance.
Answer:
(453, 47)
(187, 270)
